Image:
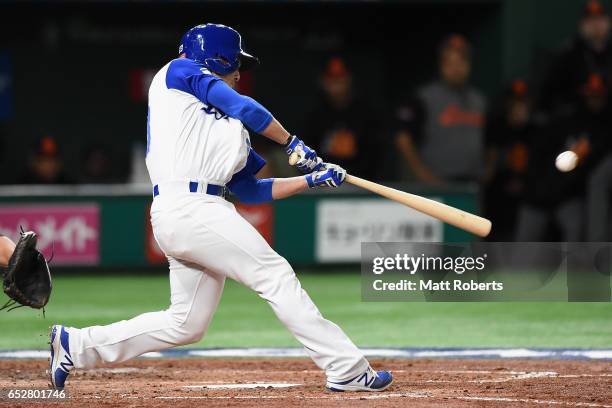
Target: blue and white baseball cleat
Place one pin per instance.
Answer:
(60, 364)
(368, 381)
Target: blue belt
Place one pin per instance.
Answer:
(211, 189)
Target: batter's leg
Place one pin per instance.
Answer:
(195, 294)
(215, 236)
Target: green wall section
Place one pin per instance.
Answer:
(294, 228)
(122, 224)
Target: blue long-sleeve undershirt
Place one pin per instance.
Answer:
(247, 187)
(251, 190)
(245, 109)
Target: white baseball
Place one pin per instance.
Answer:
(566, 161)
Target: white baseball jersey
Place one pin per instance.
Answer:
(189, 140)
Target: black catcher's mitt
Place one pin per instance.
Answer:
(27, 279)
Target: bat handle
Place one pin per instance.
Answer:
(293, 158)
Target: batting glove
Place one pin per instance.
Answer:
(308, 160)
(332, 175)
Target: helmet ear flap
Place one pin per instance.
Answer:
(220, 65)
(224, 61)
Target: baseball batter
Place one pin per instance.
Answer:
(197, 147)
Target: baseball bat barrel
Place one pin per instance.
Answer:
(469, 222)
(461, 219)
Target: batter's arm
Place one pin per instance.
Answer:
(255, 191)
(251, 190)
(286, 187)
(248, 111)
(275, 131)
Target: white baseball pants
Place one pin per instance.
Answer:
(206, 240)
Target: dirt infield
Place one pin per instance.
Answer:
(297, 382)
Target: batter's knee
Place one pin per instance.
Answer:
(185, 337)
(187, 328)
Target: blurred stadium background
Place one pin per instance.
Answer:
(467, 102)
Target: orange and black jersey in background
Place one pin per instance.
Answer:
(447, 126)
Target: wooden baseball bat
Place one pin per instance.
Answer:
(469, 222)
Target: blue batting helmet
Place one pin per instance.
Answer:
(217, 47)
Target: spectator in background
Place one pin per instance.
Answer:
(343, 127)
(509, 133)
(440, 132)
(45, 165)
(589, 52)
(556, 197)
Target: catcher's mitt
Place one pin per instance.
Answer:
(27, 279)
